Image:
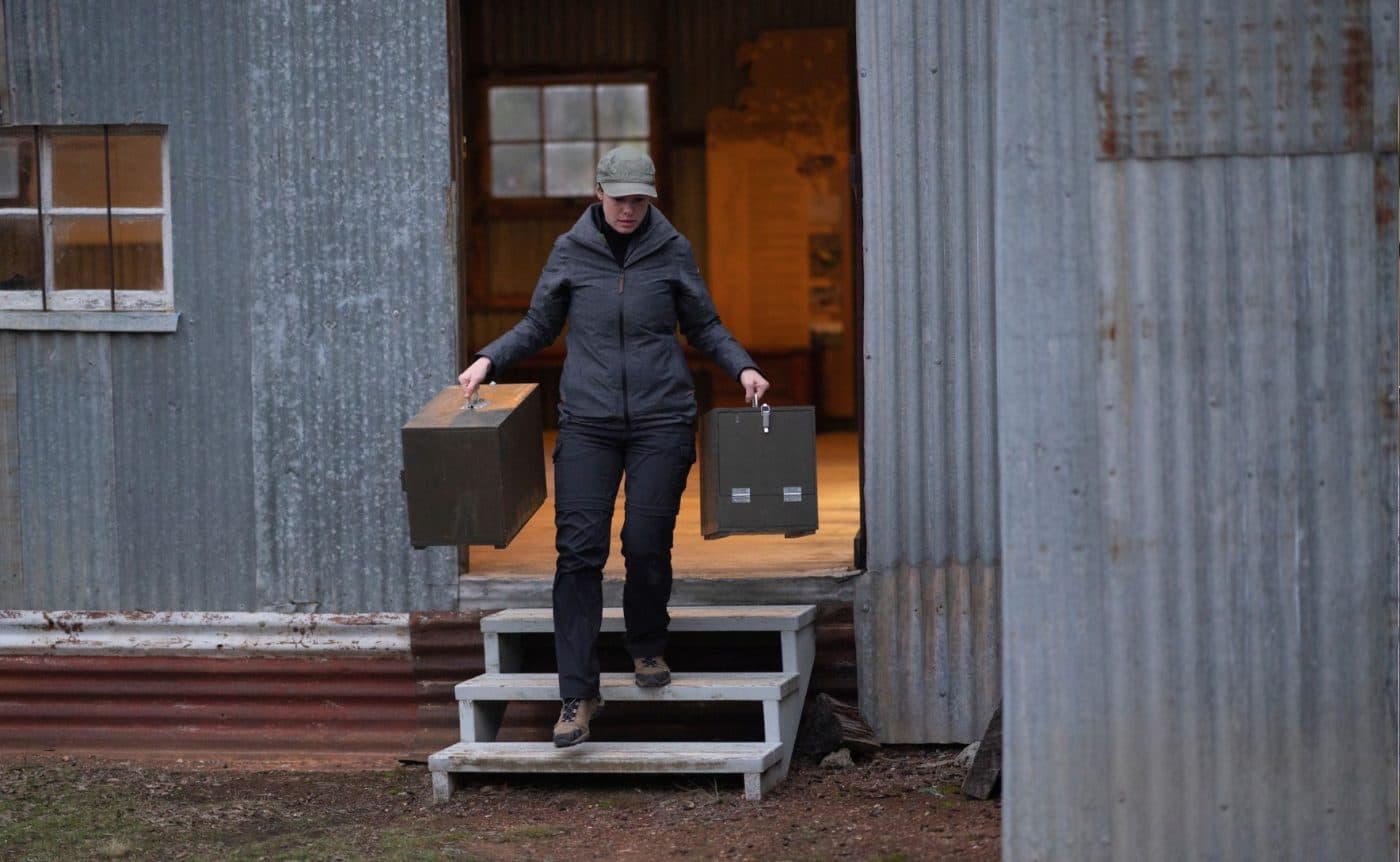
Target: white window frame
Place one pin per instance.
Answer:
(97, 309)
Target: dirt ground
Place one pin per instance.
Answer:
(900, 804)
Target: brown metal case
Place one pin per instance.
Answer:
(474, 476)
(758, 471)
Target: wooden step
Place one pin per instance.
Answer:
(709, 618)
(607, 757)
(622, 686)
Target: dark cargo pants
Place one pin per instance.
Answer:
(589, 463)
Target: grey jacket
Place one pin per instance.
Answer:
(622, 359)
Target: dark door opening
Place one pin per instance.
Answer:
(750, 116)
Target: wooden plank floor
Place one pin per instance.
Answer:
(828, 551)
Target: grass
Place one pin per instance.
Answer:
(41, 819)
(94, 822)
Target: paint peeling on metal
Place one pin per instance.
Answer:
(184, 633)
(1206, 77)
(930, 475)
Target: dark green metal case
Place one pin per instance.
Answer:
(758, 471)
(474, 476)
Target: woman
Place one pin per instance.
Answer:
(623, 278)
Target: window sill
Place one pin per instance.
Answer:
(90, 321)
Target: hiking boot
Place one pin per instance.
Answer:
(572, 727)
(651, 672)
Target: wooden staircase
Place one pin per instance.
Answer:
(482, 700)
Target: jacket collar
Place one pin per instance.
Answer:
(585, 233)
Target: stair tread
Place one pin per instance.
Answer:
(731, 686)
(607, 757)
(718, 618)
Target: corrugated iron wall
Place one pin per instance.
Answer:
(1197, 426)
(248, 461)
(928, 609)
(300, 690)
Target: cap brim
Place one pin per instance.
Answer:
(623, 190)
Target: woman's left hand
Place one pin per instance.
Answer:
(754, 384)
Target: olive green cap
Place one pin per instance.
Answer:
(625, 171)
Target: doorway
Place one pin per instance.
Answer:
(748, 110)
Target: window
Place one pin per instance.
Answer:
(546, 138)
(84, 220)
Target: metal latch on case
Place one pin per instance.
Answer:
(739, 495)
(792, 494)
(766, 412)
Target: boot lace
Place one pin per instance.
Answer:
(650, 662)
(570, 709)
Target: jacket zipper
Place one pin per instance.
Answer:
(622, 349)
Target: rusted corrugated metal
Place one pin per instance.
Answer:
(312, 688)
(249, 687)
(248, 461)
(930, 475)
(298, 709)
(1197, 425)
(1208, 77)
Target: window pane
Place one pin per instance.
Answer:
(79, 171)
(135, 170)
(82, 258)
(622, 111)
(18, 175)
(570, 169)
(604, 146)
(515, 113)
(136, 252)
(21, 253)
(568, 113)
(515, 170)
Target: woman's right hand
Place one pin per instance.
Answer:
(474, 376)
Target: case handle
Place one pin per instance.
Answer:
(478, 400)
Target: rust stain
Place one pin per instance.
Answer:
(1386, 402)
(1357, 85)
(1108, 112)
(1385, 198)
(65, 624)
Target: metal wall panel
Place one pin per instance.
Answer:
(929, 645)
(68, 503)
(1196, 362)
(300, 690)
(351, 160)
(930, 480)
(4, 72)
(253, 455)
(1212, 77)
(11, 541)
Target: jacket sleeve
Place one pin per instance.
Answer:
(699, 320)
(549, 308)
